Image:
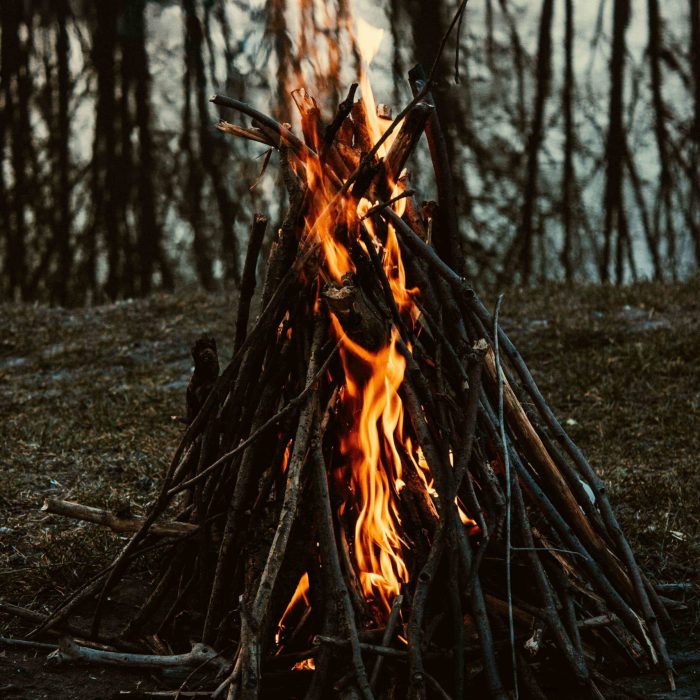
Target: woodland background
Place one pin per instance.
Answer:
(574, 134)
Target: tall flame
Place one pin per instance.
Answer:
(370, 397)
(372, 381)
(371, 441)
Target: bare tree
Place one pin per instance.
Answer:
(15, 85)
(518, 62)
(664, 192)
(569, 143)
(148, 239)
(695, 71)
(105, 216)
(615, 220)
(62, 195)
(544, 50)
(193, 205)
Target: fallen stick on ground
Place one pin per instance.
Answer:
(117, 523)
(69, 651)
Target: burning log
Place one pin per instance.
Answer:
(374, 492)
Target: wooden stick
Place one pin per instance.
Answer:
(259, 607)
(69, 651)
(12, 643)
(344, 109)
(388, 635)
(415, 620)
(331, 560)
(443, 176)
(364, 646)
(251, 134)
(406, 140)
(257, 233)
(78, 511)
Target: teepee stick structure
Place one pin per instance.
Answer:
(375, 499)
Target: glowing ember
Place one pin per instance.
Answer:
(304, 665)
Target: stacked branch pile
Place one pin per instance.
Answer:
(536, 590)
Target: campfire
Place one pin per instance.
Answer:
(374, 499)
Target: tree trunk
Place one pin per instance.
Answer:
(150, 232)
(211, 151)
(695, 69)
(193, 193)
(535, 140)
(569, 143)
(125, 281)
(104, 157)
(15, 77)
(63, 191)
(615, 147)
(428, 27)
(663, 197)
(9, 36)
(519, 63)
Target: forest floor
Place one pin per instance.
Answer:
(89, 401)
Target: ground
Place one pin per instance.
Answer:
(90, 401)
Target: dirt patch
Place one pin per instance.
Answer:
(89, 401)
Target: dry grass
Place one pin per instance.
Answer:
(87, 399)
(622, 368)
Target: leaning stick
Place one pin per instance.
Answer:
(404, 143)
(387, 636)
(595, 483)
(329, 556)
(415, 620)
(364, 646)
(443, 172)
(257, 233)
(259, 608)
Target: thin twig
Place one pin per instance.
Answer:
(11, 642)
(388, 203)
(506, 466)
(283, 413)
(386, 639)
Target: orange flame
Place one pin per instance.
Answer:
(300, 594)
(372, 381)
(373, 443)
(304, 665)
(372, 378)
